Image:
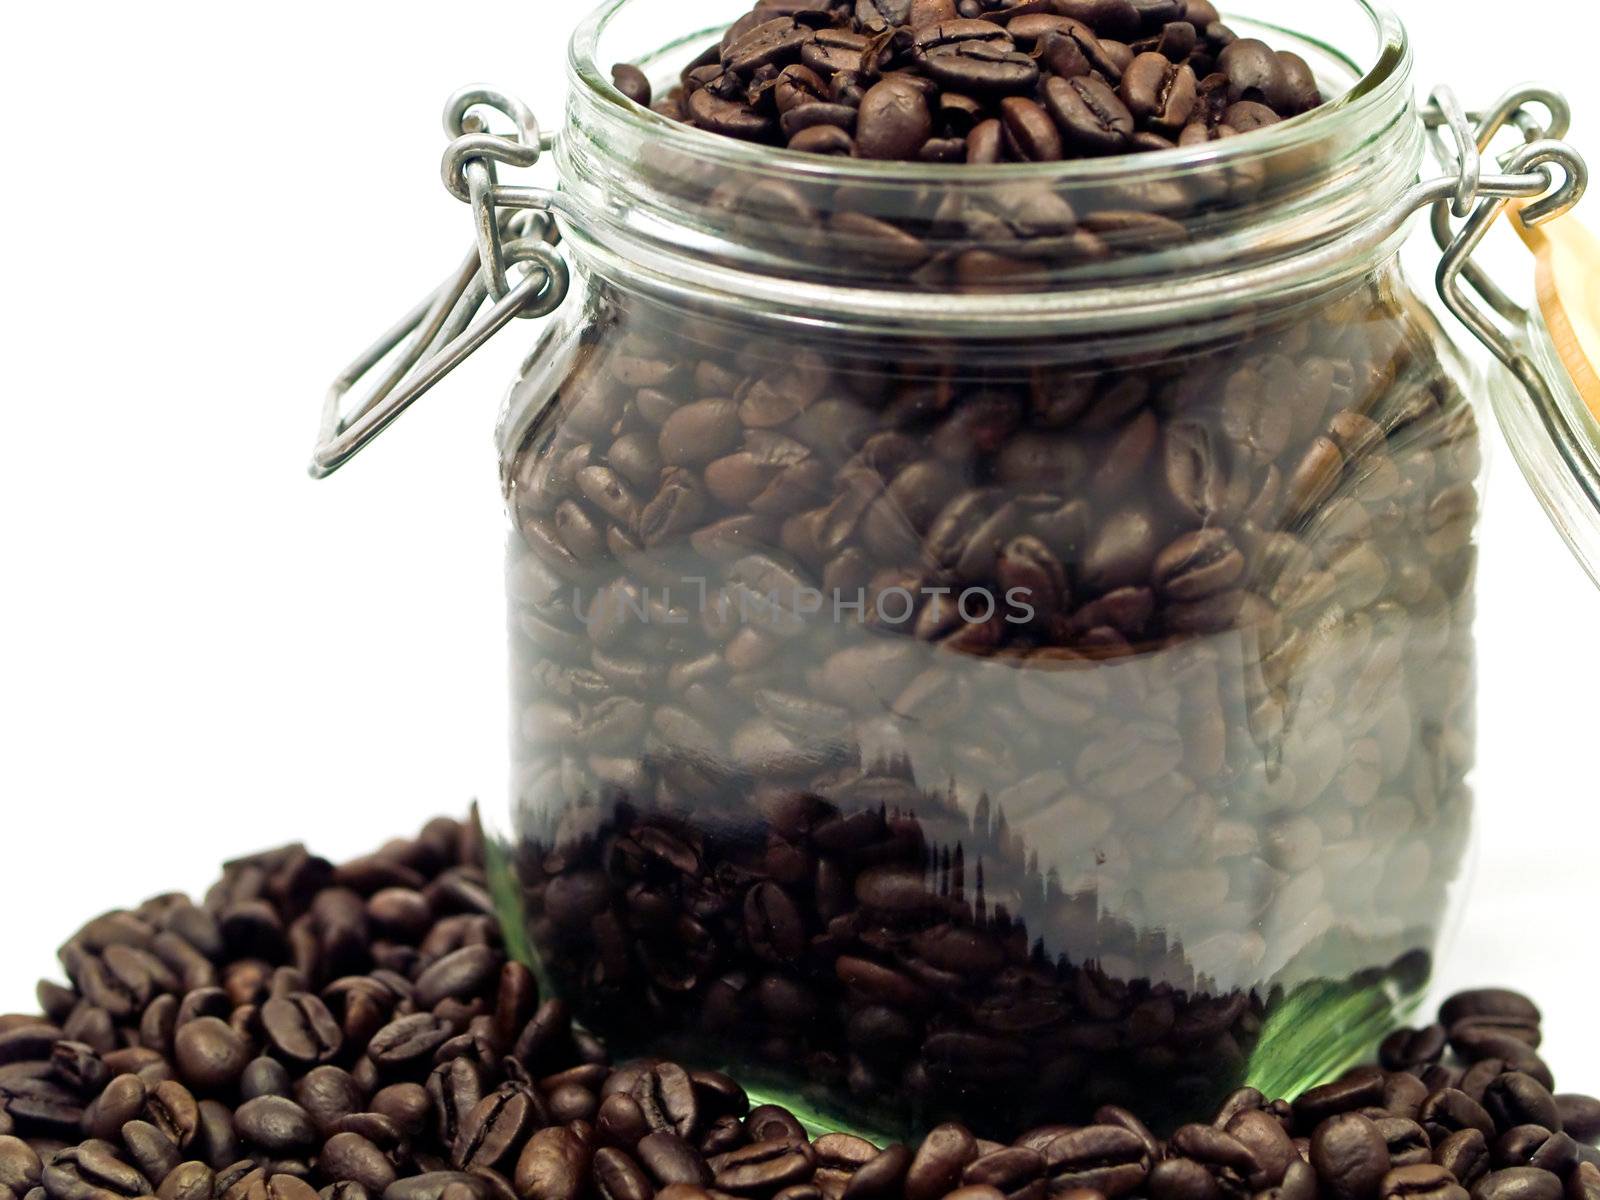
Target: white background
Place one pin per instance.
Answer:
(207, 210)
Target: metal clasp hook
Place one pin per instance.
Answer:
(440, 333)
(1540, 151)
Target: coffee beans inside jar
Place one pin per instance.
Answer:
(938, 696)
(980, 737)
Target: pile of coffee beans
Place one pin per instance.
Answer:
(357, 1032)
(971, 730)
(983, 81)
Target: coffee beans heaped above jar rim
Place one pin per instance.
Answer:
(982, 81)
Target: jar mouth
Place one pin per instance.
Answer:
(1372, 88)
(1195, 236)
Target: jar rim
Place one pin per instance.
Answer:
(1370, 91)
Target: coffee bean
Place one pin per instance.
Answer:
(1029, 131)
(408, 1040)
(1350, 1156)
(766, 1166)
(275, 1125)
(1159, 92)
(1405, 1049)
(893, 121)
(209, 1054)
(1421, 1180)
(1089, 114)
(493, 1132)
(939, 1162)
(1104, 1158)
(188, 1181)
(1580, 1116)
(1517, 1099)
(351, 1157)
(301, 1028)
(1518, 1183)
(1181, 1179)
(1465, 1154)
(671, 1160)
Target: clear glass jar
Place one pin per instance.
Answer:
(991, 642)
(986, 642)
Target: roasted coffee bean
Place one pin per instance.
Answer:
(188, 1181)
(1091, 117)
(1465, 1154)
(1512, 1009)
(1030, 134)
(1406, 1049)
(209, 1054)
(408, 1041)
(1107, 1159)
(1421, 1180)
(766, 1166)
(1449, 1111)
(893, 121)
(1181, 1179)
(19, 1165)
(1518, 1183)
(1517, 1099)
(275, 1125)
(671, 1160)
(496, 1127)
(264, 1077)
(1158, 92)
(940, 1162)
(1407, 1141)
(353, 1158)
(1580, 1116)
(301, 1028)
(1349, 1156)
(632, 83)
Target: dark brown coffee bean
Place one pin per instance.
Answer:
(1159, 92)
(275, 1125)
(1350, 1156)
(1518, 1099)
(632, 83)
(188, 1181)
(301, 1028)
(1107, 1159)
(1405, 1049)
(1580, 1116)
(1425, 1179)
(893, 121)
(1029, 132)
(1089, 114)
(1465, 1154)
(209, 1054)
(494, 1131)
(408, 1041)
(671, 1160)
(766, 1166)
(1518, 1183)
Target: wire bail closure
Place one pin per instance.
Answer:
(514, 226)
(1496, 320)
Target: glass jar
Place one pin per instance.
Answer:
(986, 642)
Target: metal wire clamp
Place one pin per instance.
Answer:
(512, 227)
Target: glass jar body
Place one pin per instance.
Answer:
(951, 727)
